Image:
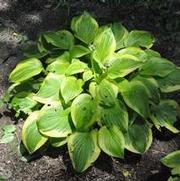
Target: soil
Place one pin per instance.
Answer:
(22, 18)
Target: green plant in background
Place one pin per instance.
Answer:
(173, 161)
(101, 89)
(8, 134)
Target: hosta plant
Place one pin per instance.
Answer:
(94, 88)
(172, 161)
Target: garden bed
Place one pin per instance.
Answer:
(21, 19)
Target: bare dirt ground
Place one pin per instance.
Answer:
(22, 18)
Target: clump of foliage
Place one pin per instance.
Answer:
(173, 161)
(96, 88)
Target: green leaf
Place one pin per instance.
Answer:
(151, 53)
(157, 67)
(135, 96)
(111, 141)
(85, 27)
(24, 104)
(106, 93)
(176, 170)
(25, 70)
(87, 75)
(62, 39)
(120, 34)
(105, 45)
(9, 128)
(171, 82)
(7, 138)
(49, 91)
(123, 66)
(57, 142)
(84, 111)
(79, 51)
(140, 38)
(83, 149)
(151, 86)
(60, 65)
(172, 160)
(139, 137)
(54, 122)
(135, 51)
(1, 103)
(116, 115)
(70, 88)
(31, 137)
(76, 67)
(165, 114)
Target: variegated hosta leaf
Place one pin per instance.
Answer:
(49, 91)
(120, 34)
(25, 70)
(57, 142)
(60, 64)
(165, 114)
(87, 75)
(54, 122)
(157, 67)
(152, 87)
(172, 160)
(62, 39)
(106, 93)
(71, 88)
(135, 96)
(83, 149)
(23, 103)
(84, 111)
(139, 137)
(116, 115)
(85, 27)
(171, 82)
(139, 38)
(79, 51)
(31, 137)
(76, 67)
(135, 51)
(105, 45)
(123, 66)
(111, 141)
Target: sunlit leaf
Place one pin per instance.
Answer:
(70, 88)
(111, 141)
(49, 91)
(120, 34)
(62, 39)
(54, 122)
(25, 70)
(31, 137)
(85, 27)
(79, 51)
(123, 66)
(83, 111)
(76, 67)
(83, 149)
(105, 45)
